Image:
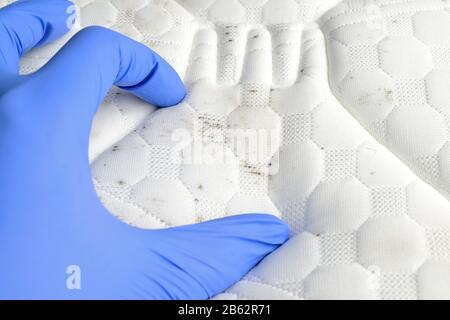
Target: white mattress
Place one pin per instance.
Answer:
(356, 97)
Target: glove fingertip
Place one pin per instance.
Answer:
(163, 87)
(279, 230)
(212, 256)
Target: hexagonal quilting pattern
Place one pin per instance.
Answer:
(89, 14)
(404, 57)
(276, 13)
(155, 196)
(433, 27)
(408, 81)
(395, 244)
(434, 281)
(414, 136)
(338, 207)
(363, 225)
(331, 282)
(299, 257)
(218, 180)
(153, 18)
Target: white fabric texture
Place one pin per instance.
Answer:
(356, 97)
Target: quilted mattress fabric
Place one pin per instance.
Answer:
(351, 103)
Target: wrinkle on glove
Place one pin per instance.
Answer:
(56, 239)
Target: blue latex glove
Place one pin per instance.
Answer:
(56, 239)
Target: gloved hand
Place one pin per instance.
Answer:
(56, 239)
